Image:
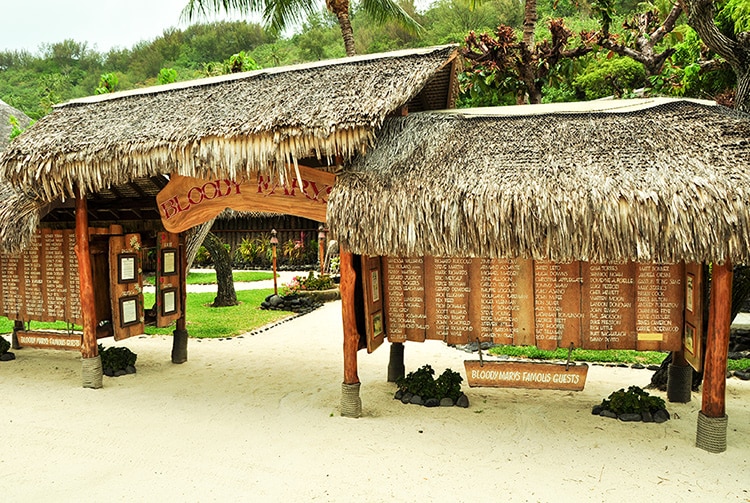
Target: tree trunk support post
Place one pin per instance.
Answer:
(180, 334)
(712, 418)
(91, 362)
(679, 379)
(396, 368)
(322, 248)
(17, 327)
(351, 404)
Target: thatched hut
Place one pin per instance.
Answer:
(99, 162)
(628, 183)
(654, 180)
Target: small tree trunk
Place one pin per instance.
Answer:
(742, 95)
(225, 294)
(529, 24)
(340, 8)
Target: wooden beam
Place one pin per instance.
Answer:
(717, 341)
(351, 335)
(86, 279)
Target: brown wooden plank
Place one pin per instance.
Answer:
(460, 330)
(557, 304)
(414, 295)
(480, 302)
(659, 306)
(514, 374)
(693, 329)
(393, 292)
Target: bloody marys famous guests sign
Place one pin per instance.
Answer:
(186, 202)
(524, 302)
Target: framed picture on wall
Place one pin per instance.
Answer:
(128, 311)
(127, 267)
(168, 261)
(168, 301)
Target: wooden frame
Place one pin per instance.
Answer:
(169, 301)
(169, 261)
(129, 311)
(127, 268)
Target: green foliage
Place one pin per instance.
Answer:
(15, 127)
(116, 358)
(107, 83)
(202, 257)
(632, 401)
(734, 17)
(255, 252)
(4, 345)
(167, 76)
(313, 282)
(421, 382)
(613, 76)
(240, 62)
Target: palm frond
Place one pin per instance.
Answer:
(385, 10)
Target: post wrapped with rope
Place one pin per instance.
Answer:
(712, 433)
(351, 404)
(91, 372)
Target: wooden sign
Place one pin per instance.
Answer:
(186, 202)
(126, 285)
(168, 279)
(516, 374)
(42, 282)
(541, 303)
(50, 339)
(692, 340)
(372, 275)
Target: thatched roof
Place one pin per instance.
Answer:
(647, 180)
(229, 126)
(18, 212)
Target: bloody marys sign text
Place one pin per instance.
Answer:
(186, 202)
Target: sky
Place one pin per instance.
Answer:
(103, 24)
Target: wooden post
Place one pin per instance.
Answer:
(351, 406)
(712, 420)
(17, 327)
(396, 368)
(180, 334)
(274, 244)
(322, 247)
(91, 362)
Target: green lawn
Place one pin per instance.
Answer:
(204, 321)
(209, 278)
(599, 356)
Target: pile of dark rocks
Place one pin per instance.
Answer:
(7, 356)
(130, 369)
(410, 398)
(295, 303)
(659, 416)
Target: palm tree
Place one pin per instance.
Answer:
(278, 14)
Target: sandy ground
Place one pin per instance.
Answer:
(256, 418)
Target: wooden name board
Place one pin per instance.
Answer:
(168, 279)
(525, 302)
(530, 375)
(41, 283)
(126, 285)
(49, 339)
(186, 202)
